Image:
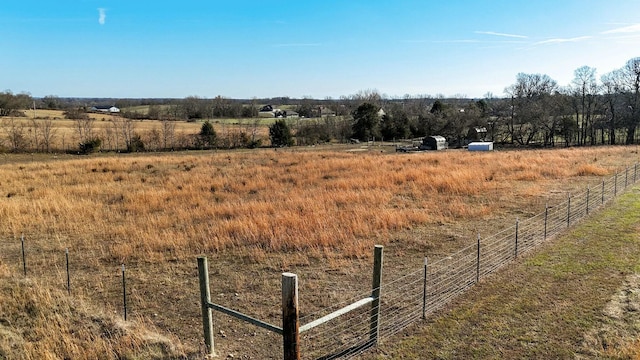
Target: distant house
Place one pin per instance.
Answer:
(325, 111)
(268, 111)
(105, 109)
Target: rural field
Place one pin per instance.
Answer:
(316, 212)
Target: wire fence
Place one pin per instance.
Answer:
(416, 295)
(421, 293)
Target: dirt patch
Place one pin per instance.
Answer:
(618, 334)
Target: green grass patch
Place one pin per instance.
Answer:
(548, 305)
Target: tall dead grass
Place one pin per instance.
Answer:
(41, 323)
(158, 206)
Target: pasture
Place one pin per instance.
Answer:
(315, 212)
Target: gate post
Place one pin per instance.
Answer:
(205, 299)
(290, 317)
(374, 328)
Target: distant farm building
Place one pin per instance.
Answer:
(105, 109)
(268, 111)
(477, 133)
(480, 146)
(434, 143)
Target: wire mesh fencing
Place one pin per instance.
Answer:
(421, 293)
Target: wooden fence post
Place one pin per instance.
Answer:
(424, 291)
(374, 328)
(290, 317)
(205, 299)
(603, 191)
(615, 185)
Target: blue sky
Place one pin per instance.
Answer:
(295, 48)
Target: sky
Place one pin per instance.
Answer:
(305, 48)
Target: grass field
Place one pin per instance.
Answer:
(316, 212)
(109, 128)
(576, 298)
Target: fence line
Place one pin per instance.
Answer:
(398, 303)
(421, 293)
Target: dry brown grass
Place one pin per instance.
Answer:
(65, 136)
(257, 213)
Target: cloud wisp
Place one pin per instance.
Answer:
(563, 40)
(624, 30)
(102, 16)
(501, 34)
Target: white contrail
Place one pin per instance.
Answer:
(102, 15)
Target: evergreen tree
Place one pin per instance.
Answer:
(366, 122)
(207, 135)
(280, 134)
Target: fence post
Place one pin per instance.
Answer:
(424, 291)
(66, 255)
(517, 225)
(374, 328)
(546, 214)
(205, 299)
(569, 210)
(603, 191)
(124, 293)
(24, 258)
(635, 171)
(588, 190)
(626, 176)
(478, 261)
(290, 317)
(615, 185)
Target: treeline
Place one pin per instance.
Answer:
(536, 111)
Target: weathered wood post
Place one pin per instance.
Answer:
(205, 299)
(424, 291)
(290, 317)
(603, 191)
(374, 328)
(615, 185)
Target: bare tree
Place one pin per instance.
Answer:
(168, 134)
(530, 97)
(85, 128)
(584, 95)
(15, 135)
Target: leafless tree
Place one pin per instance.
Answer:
(85, 128)
(168, 134)
(15, 135)
(584, 95)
